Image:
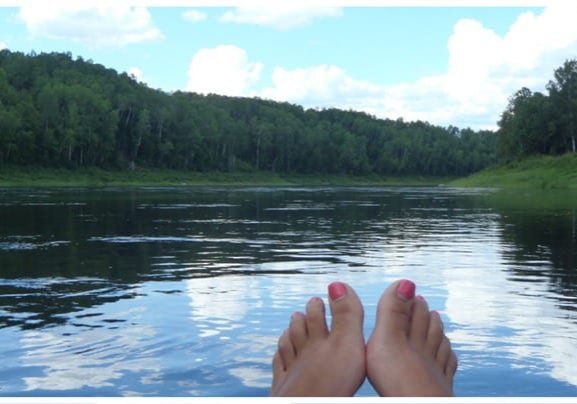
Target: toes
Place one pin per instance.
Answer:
(277, 364)
(435, 334)
(286, 350)
(315, 318)
(443, 354)
(420, 319)
(346, 309)
(278, 373)
(298, 331)
(394, 312)
(451, 368)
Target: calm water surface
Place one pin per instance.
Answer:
(184, 291)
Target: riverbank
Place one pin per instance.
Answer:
(543, 172)
(94, 177)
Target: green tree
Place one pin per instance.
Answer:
(563, 94)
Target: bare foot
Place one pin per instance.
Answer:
(313, 361)
(408, 353)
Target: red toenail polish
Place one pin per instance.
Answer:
(406, 289)
(337, 290)
(421, 298)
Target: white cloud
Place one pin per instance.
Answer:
(317, 86)
(193, 15)
(222, 70)
(3, 46)
(279, 15)
(136, 73)
(484, 70)
(95, 24)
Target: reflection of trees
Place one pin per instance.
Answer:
(36, 303)
(542, 232)
(548, 236)
(112, 241)
(84, 249)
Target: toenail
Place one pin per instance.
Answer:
(314, 300)
(436, 313)
(421, 298)
(295, 315)
(406, 289)
(337, 290)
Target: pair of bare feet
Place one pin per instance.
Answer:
(407, 353)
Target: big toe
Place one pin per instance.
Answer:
(394, 312)
(346, 310)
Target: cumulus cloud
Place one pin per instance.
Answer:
(484, 70)
(94, 24)
(279, 15)
(3, 46)
(193, 15)
(136, 73)
(317, 85)
(223, 70)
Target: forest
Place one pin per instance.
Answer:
(57, 111)
(541, 124)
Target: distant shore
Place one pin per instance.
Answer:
(541, 172)
(95, 177)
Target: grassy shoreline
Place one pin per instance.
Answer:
(541, 172)
(538, 172)
(94, 177)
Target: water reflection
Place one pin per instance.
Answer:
(184, 291)
(95, 358)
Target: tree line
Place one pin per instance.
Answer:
(537, 123)
(56, 111)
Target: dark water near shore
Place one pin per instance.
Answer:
(184, 291)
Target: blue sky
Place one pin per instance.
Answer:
(446, 65)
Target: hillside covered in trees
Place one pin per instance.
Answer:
(56, 111)
(537, 123)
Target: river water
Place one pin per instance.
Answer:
(184, 291)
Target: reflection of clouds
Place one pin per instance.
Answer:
(458, 261)
(220, 300)
(244, 315)
(251, 367)
(482, 301)
(226, 300)
(219, 307)
(491, 313)
(252, 376)
(91, 358)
